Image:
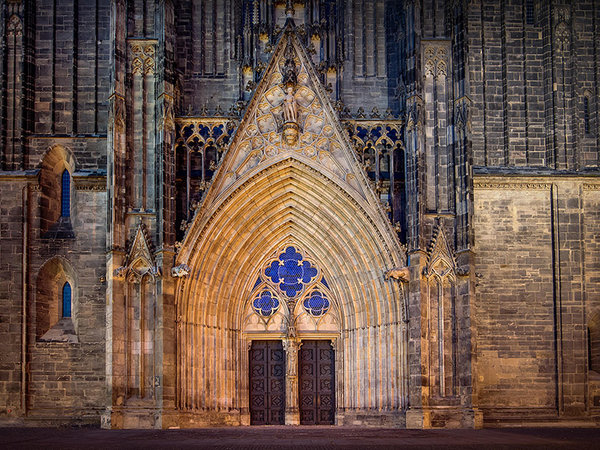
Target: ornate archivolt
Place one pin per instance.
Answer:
(287, 199)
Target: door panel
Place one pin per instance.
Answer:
(317, 386)
(267, 383)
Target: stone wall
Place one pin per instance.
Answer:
(529, 77)
(530, 255)
(64, 358)
(11, 291)
(66, 379)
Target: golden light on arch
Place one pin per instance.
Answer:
(288, 202)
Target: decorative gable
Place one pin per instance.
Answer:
(440, 261)
(139, 260)
(290, 116)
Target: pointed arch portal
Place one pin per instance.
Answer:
(290, 183)
(289, 202)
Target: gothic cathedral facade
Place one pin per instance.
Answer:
(248, 212)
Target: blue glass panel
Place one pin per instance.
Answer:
(324, 282)
(291, 272)
(272, 272)
(309, 272)
(66, 194)
(66, 300)
(316, 303)
(290, 253)
(265, 304)
(204, 131)
(217, 131)
(258, 281)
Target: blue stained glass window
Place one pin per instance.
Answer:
(265, 304)
(66, 300)
(324, 282)
(316, 303)
(258, 281)
(65, 198)
(290, 271)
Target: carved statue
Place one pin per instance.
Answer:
(402, 274)
(290, 109)
(290, 75)
(291, 347)
(120, 272)
(179, 271)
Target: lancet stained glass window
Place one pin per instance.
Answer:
(66, 300)
(65, 198)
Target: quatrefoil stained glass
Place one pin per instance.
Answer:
(316, 303)
(291, 272)
(265, 303)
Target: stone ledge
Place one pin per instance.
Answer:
(535, 417)
(370, 418)
(444, 417)
(63, 331)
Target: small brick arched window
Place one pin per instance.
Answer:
(66, 300)
(65, 198)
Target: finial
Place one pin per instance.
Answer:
(289, 9)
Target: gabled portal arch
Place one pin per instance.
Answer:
(289, 202)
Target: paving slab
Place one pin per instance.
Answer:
(319, 437)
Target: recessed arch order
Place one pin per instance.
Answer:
(289, 201)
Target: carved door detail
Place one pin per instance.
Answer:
(317, 386)
(267, 383)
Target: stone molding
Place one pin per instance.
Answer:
(523, 185)
(99, 187)
(14, 26)
(83, 183)
(591, 186)
(142, 54)
(436, 56)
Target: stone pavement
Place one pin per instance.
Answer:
(299, 437)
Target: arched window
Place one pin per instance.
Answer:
(529, 12)
(586, 115)
(66, 300)
(65, 198)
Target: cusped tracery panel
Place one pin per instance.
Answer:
(316, 303)
(291, 272)
(292, 278)
(265, 303)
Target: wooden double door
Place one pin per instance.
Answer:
(267, 383)
(316, 383)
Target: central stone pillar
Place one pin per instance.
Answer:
(292, 411)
